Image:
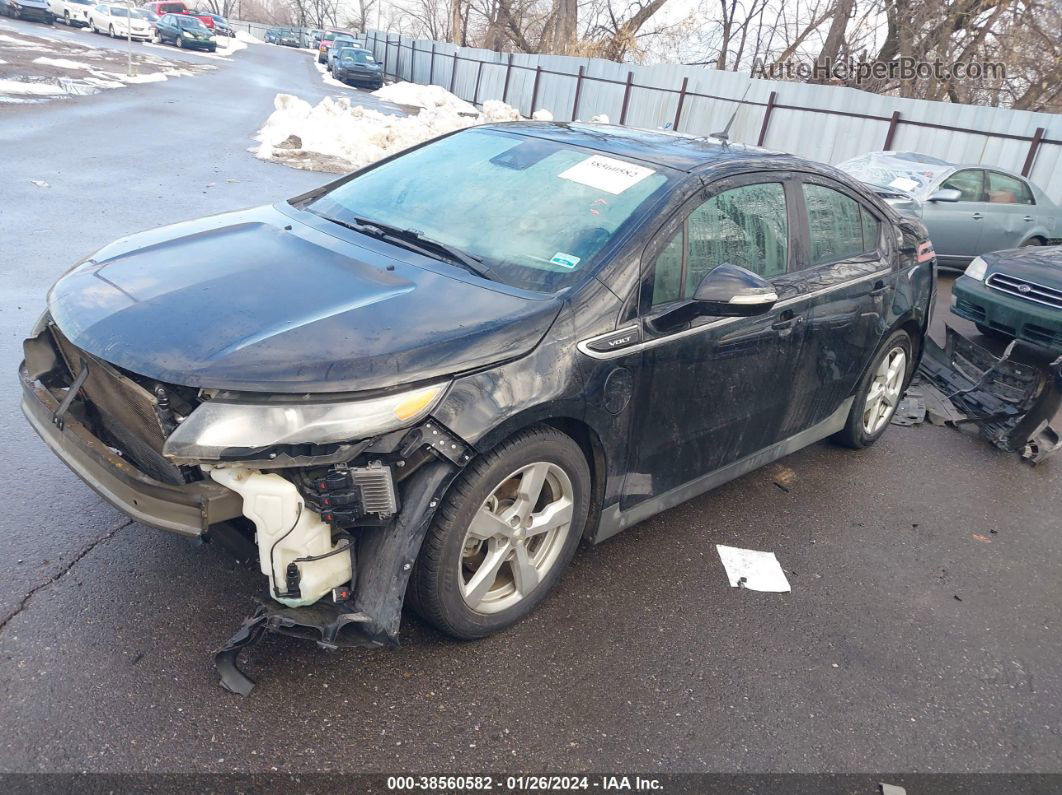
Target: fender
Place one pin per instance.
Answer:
(386, 554)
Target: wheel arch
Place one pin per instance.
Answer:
(575, 427)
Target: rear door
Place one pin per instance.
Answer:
(848, 282)
(1010, 216)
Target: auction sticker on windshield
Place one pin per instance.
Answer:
(904, 183)
(606, 173)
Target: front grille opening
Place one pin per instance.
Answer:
(1023, 288)
(972, 309)
(121, 410)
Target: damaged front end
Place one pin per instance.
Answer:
(1012, 398)
(337, 491)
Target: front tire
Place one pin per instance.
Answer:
(110, 31)
(879, 393)
(503, 536)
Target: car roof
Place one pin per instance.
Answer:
(918, 157)
(662, 147)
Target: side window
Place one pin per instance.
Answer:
(1005, 189)
(745, 226)
(835, 225)
(969, 183)
(871, 230)
(667, 283)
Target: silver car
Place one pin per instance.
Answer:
(969, 210)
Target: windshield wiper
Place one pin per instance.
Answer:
(470, 261)
(414, 241)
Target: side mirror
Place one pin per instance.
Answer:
(945, 195)
(732, 291)
(725, 291)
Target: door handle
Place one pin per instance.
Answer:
(977, 216)
(1028, 218)
(879, 287)
(786, 323)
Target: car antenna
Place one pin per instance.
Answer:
(724, 136)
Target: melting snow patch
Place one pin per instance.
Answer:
(757, 571)
(40, 183)
(542, 115)
(247, 38)
(227, 45)
(62, 63)
(37, 89)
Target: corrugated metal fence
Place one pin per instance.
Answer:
(825, 123)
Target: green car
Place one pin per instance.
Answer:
(1015, 293)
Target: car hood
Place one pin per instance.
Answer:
(1039, 264)
(258, 301)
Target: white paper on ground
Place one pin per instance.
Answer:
(759, 570)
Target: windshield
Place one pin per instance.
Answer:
(191, 23)
(536, 212)
(140, 13)
(905, 172)
(357, 56)
(118, 11)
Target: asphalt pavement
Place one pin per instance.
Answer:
(921, 633)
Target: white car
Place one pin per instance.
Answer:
(114, 20)
(73, 12)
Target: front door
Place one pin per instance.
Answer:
(955, 227)
(716, 390)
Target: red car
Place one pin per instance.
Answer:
(161, 7)
(326, 42)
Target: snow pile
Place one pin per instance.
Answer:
(542, 115)
(336, 136)
(247, 38)
(228, 45)
(419, 96)
(494, 110)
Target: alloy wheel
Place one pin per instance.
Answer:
(885, 389)
(516, 537)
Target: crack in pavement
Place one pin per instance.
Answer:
(59, 574)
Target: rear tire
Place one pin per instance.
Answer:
(487, 531)
(1032, 241)
(879, 393)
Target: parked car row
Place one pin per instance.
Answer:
(115, 19)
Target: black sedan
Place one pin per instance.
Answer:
(355, 66)
(493, 346)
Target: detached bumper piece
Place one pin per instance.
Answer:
(1011, 402)
(322, 623)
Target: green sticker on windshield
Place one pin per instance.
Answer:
(565, 260)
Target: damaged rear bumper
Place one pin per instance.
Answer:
(189, 508)
(1012, 402)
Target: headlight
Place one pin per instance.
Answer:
(220, 426)
(976, 269)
